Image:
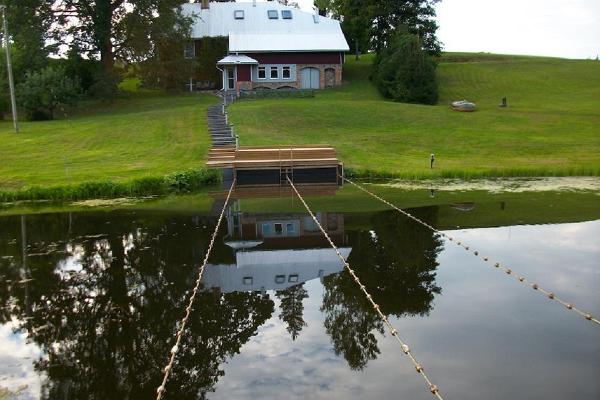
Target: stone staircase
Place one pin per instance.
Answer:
(221, 131)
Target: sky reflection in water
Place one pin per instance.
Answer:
(108, 288)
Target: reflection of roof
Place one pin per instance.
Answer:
(235, 59)
(273, 270)
(304, 31)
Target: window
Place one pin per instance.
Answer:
(262, 73)
(293, 278)
(290, 228)
(286, 72)
(316, 18)
(278, 229)
(274, 73)
(190, 50)
(238, 14)
(286, 14)
(273, 14)
(266, 229)
(248, 280)
(279, 279)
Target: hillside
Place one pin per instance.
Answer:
(145, 135)
(550, 127)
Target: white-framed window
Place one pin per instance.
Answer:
(286, 14)
(273, 14)
(290, 228)
(266, 229)
(238, 14)
(293, 278)
(262, 73)
(274, 73)
(279, 229)
(189, 50)
(286, 72)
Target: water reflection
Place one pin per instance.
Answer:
(98, 296)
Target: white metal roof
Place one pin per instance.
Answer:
(256, 32)
(237, 59)
(266, 42)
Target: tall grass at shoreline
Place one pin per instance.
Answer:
(176, 183)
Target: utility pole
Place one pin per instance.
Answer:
(11, 81)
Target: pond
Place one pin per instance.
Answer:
(92, 297)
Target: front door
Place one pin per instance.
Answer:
(310, 78)
(230, 78)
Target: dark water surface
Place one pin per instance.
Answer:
(90, 303)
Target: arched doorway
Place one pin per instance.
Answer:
(310, 78)
(329, 77)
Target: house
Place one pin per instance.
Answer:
(269, 45)
(277, 251)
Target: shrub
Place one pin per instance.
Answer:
(44, 91)
(403, 71)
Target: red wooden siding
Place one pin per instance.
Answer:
(243, 73)
(297, 58)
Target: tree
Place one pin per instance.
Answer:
(29, 23)
(123, 29)
(373, 23)
(292, 308)
(43, 92)
(403, 71)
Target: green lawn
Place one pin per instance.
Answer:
(134, 137)
(552, 126)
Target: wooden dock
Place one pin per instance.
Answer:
(314, 164)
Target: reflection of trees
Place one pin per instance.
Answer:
(396, 261)
(105, 309)
(292, 309)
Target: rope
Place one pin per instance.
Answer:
(405, 349)
(160, 391)
(495, 264)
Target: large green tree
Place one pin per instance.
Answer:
(118, 29)
(372, 23)
(403, 71)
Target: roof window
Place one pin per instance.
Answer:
(286, 14)
(238, 14)
(273, 14)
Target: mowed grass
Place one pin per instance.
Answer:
(135, 137)
(551, 127)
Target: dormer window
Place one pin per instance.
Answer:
(286, 14)
(238, 14)
(273, 14)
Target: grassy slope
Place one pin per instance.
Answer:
(135, 137)
(550, 128)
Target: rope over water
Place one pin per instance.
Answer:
(498, 265)
(405, 349)
(160, 391)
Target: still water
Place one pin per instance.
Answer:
(91, 300)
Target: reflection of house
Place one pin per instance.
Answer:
(277, 251)
(270, 46)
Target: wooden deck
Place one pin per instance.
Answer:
(272, 157)
(271, 165)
